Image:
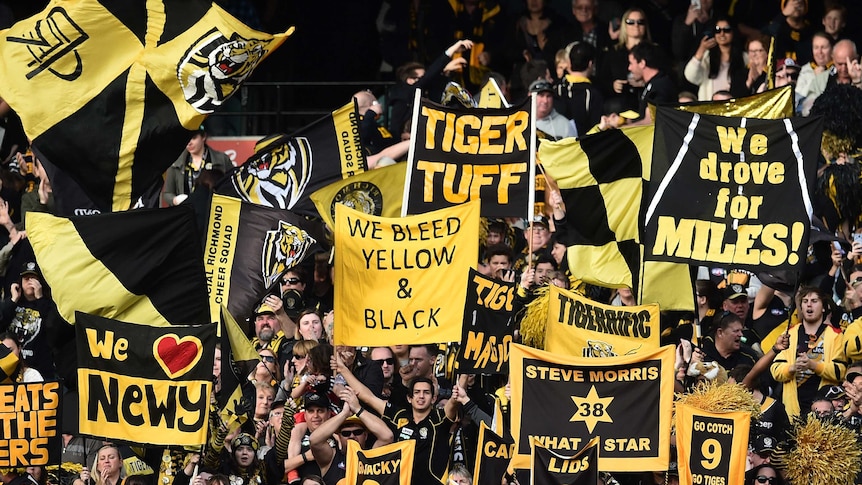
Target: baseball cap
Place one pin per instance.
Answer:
(263, 308)
(788, 63)
(316, 399)
(852, 375)
(832, 392)
(541, 86)
(735, 290)
(541, 220)
(763, 444)
(30, 269)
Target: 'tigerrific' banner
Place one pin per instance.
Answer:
(458, 155)
(582, 327)
(31, 432)
(488, 328)
(712, 447)
(565, 401)
(732, 191)
(403, 280)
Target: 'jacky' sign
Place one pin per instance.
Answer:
(731, 190)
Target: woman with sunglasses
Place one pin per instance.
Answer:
(751, 79)
(297, 368)
(613, 70)
(764, 474)
(717, 56)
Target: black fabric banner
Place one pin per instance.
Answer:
(156, 391)
(487, 329)
(552, 468)
(458, 155)
(492, 456)
(731, 191)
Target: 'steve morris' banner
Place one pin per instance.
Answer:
(492, 456)
(31, 432)
(732, 191)
(551, 468)
(582, 327)
(156, 391)
(488, 329)
(116, 122)
(388, 465)
(403, 280)
(285, 170)
(565, 401)
(712, 446)
(458, 155)
(247, 250)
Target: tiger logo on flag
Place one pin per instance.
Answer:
(283, 249)
(277, 177)
(214, 67)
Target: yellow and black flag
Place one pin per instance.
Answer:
(376, 192)
(238, 357)
(286, 169)
(493, 453)
(248, 248)
(551, 468)
(712, 447)
(388, 465)
(141, 266)
(121, 84)
(624, 401)
(144, 384)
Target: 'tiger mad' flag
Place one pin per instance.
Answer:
(565, 401)
(712, 446)
(403, 280)
(458, 155)
(120, 84)
(732, 191)
(388, 465)
(552, 468)
(578, 326)
(488, 326)
(155, 391)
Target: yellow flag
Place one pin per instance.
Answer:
(377, 192)
(578, 326)
(403, 280)
(491, 96)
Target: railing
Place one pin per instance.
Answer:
(262, 108)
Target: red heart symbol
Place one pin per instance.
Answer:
(177, 355)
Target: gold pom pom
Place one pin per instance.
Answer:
(536, 319)
(720, 398)
(825, 452)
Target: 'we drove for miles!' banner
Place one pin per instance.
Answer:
(731, 191)
(403, 280)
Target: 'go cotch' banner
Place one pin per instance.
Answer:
(712, 446)
(582, 327)
(624, 401)
(403, 280)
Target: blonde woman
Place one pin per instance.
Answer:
(109, 468)
(613, 71)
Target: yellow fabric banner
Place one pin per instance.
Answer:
(578, 326)
(377, 192)
(566, 401)
(388, 465)
(403, 280)
(712, 447)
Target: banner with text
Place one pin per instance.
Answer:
(733, 191)
(487, 330)
(388, 465)
(156, 391)
(31, 432)
(624, 401)
(579, 326)
(552, 468)
(492, 456)
(458, 155)
(403, 280)
(712, 447)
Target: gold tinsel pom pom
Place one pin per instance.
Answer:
(825, 452)
(720, 398)
(536, 319)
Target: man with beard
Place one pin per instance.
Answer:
(269, 321)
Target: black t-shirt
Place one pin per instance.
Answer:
(433, 441)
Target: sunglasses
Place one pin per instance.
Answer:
(856, 282)
(724, 30)
(268, 359)
(764, 479)
(347, 433)
(389, 361)
(290, 281)
(298, 357)
(635, 22)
